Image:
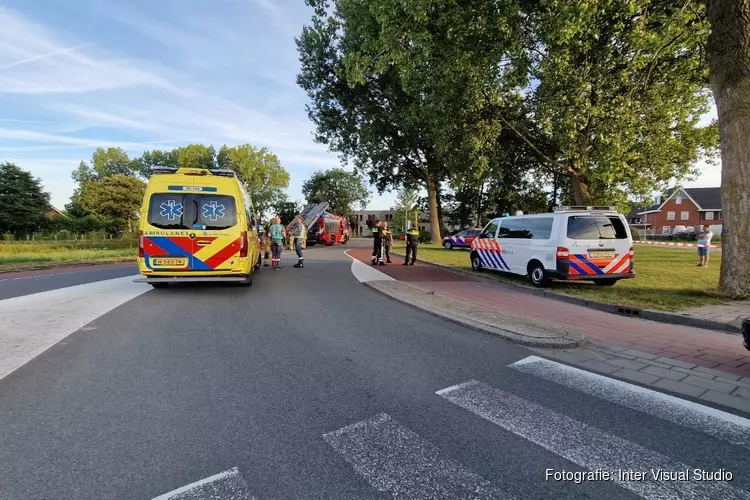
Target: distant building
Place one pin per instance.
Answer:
(679, 210)
(53, 213)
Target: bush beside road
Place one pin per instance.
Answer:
(28, 255)
(667, 279)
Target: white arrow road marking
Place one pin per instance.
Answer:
(395, 459)
(227, 485)
(711, 421)
(364, 272)
(584, 445)
(33, 323)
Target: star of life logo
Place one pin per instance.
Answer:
(171, 209)
(213, 211)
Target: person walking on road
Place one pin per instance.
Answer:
(704, 245)
(377, 249)
(266, 244)
(412, 240)
(277, 233)
(298, 232)
(387, 241)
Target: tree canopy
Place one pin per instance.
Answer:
(23, 201)
(118, 197)
(341, 189)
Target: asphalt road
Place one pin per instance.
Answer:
(24, 283)
(312, 385)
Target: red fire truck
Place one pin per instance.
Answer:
(324, 227)
(328, 229)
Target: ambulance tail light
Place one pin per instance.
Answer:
(563, 253)
(141, 252)
(244, 244)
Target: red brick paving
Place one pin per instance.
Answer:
(705, 348)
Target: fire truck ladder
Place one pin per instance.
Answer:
(311, 213)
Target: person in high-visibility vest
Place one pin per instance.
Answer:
(377, 248)
(412, 240)
(298, 233)
(266, 245)
(387, 241)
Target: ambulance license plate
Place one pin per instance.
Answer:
(601, 255)
(162, 262)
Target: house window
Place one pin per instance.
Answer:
(684, 215)
(678, 200)
(665, 230)
(709, 216)
(670, 215)
(718, 215)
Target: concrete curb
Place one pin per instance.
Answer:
(566, 339)
(620, 310)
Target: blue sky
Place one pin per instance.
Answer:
(79, 74)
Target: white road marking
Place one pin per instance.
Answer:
(227, 485)
(394, 459)
(365, 272)
(33, 323)
(585, 445)
(711, 421)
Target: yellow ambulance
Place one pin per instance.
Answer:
(197, 225)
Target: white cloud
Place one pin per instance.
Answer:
(35, 61)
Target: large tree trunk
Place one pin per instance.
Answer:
(432, 202)
(580, 191)
(729, 64)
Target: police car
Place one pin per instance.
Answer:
(571, 243)
(462, 239)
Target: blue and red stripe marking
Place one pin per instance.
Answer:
(159, 246)
(583, 265)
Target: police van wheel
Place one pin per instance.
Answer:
(537, 274)
(476, 262)
(448, 245)
(160, 285)
(248, 281)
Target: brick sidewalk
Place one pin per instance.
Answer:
(704, 348)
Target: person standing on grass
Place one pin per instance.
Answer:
(298, 232)
(278, 233)
(704, 244)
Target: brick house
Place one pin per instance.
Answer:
(680, 210)
(53, 213)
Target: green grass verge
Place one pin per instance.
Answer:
(21, 256)
(667, 279)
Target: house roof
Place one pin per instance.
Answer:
(706, 198)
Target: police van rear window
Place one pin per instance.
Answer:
(192, 211)
(596, 228)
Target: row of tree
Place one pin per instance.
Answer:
(111, 186)
(497, 100)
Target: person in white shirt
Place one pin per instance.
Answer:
(704, 244)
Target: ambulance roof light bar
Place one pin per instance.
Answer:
(582, 208)
(224, 172)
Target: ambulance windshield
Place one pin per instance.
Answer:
(192, 211)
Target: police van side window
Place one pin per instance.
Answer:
(490, 230)
(538, 228)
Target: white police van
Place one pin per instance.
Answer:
(572, 243)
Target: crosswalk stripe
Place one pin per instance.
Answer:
(585, 445)
(227, 485)
(716, 423)
(394, 459)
